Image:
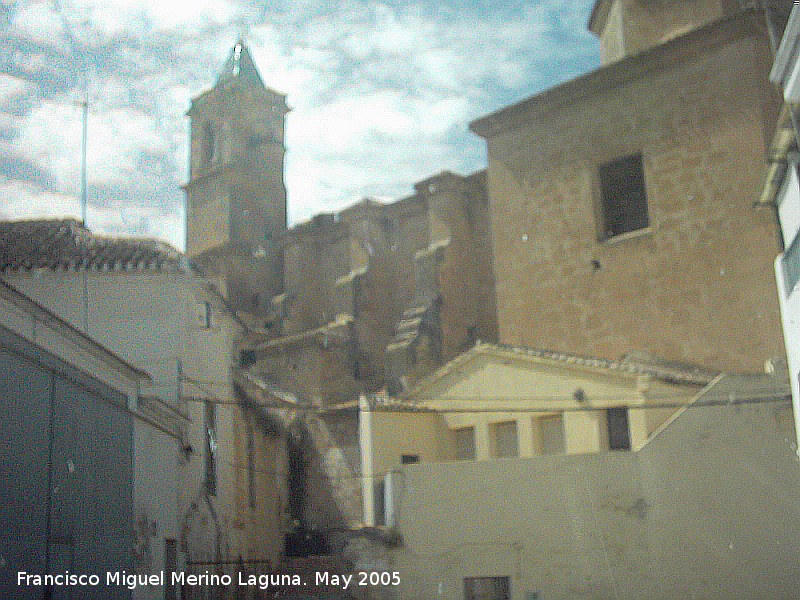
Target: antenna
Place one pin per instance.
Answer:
(84, 104)
(84, 138)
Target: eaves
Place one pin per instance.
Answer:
(630, 69)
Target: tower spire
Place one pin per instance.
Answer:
(235, 196)
(240, 66)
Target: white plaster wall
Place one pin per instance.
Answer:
(140, 316)
(144, 319)
(45, 336)
(790, 320)
(788, 201)
(155, 498)
(710, 508)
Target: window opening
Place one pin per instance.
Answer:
(465, 443)
(623, 196)
(619, 437)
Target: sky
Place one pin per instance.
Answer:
(382, 94)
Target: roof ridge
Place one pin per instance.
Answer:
(67, 244)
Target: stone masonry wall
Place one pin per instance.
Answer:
(697, 285)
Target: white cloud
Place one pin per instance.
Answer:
(381, 94)
(12, 88)
(50, 138)
(40, 24)
(112, 18)
(23, 200)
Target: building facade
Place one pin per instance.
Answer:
(496, 402)
(141, 299)
(69, 421)
(622, 201)
(374, 296)
(696, 511)
(782, 191)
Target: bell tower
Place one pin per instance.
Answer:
(235, 196)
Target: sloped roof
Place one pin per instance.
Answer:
(569, 94)
(66, 245)
(666, 371)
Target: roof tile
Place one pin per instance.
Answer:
(65, 245)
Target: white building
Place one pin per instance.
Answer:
(66, 462)
(783, 190)
(200, 459)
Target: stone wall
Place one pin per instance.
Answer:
(694, 286)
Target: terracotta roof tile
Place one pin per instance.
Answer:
(66, 245)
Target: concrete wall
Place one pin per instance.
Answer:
(142, 318)
(615, 525)
(694, 286)
(384, 437)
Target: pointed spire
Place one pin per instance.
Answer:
(240, 65)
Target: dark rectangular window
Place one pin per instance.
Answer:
(619, 437)
(552, 432)
(465, 443)
(623, 197)
(487, 588)
(409, 459)
(204, 315)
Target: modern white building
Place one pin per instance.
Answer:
(783, 190)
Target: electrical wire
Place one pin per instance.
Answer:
(735, 400)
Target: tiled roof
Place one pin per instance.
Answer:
(634, 363)
(66, 245)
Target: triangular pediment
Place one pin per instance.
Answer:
(490, 376)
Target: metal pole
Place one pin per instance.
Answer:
(84, 139)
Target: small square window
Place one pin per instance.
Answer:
(465, 443)
(409, 459)
(504, 439)
(623, 197)
(552, 432)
